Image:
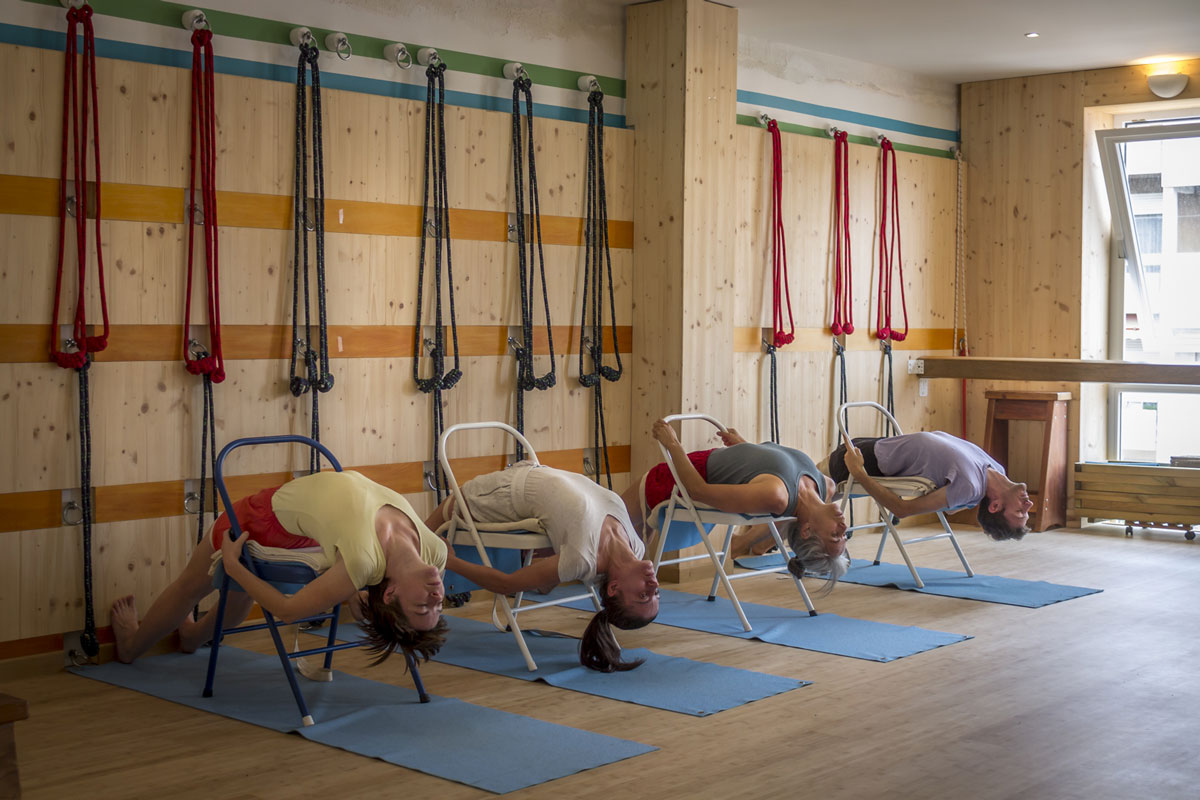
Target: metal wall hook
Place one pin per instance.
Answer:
(72, 507)
(196, 349)
(310, 214)
(429, 344)
(301, 37)
(879, 138)
(398, 54)
(588, 467)
(588, 83)
(428, 57)
(514, 70)
(514, 345)
(72, 206)
(339, 43)
(833, 131)
(71, 3)
(191, 503)
(195, 20)
(764, 119)
(196, 212)
(431, 228)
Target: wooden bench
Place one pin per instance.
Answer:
(1157, 495)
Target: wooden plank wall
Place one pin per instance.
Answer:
(807, 369)
(1036, 222)
(145, 425)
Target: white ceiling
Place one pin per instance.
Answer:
(970, 40)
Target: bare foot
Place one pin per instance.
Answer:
(124, 625)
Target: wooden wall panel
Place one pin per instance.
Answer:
(145, 429)
(1036, 222)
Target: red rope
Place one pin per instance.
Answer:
(204, 144)
(779, 246)
(79, 97)
(889, 245)
(843, 291)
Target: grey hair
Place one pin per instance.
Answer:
(810, 557)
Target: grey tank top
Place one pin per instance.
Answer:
(743, 462)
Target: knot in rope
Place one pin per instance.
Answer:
(298, 385)
(70, 360)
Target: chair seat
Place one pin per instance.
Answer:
(904, 486)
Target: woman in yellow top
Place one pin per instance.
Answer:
(372, 536)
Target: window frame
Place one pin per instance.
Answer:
(1125, 249)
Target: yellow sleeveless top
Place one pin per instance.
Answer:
(338, 510)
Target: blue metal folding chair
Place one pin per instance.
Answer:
(285, 577)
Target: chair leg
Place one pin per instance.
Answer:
(895, 534)
(712, 590)
(808, 603)
(416, 674)
(883, 539)
(954, 541)
(333, 627)
(218, 633)
(501, 602)
(272, 626)
(722, 577)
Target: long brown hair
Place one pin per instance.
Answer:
(598, 649)
(388, 629)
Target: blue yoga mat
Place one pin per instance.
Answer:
(462, 742)
(824, 633)
(947, 583)
(667, 682)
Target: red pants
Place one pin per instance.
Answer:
(257, 520)
(660, 482)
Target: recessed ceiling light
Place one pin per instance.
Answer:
(1032, 35)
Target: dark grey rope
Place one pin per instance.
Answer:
(524, 159)
(435, 178)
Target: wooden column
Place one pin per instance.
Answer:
(682, 103)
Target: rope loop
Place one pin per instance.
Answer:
(890, 257)
(531, 262)
(843, 292)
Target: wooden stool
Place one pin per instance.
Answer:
(1050, 499)
(12, 709)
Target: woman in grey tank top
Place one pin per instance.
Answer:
(749, 478)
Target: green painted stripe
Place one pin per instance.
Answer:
(822, 133)
(271, 31)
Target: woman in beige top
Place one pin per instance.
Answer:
(370, 534)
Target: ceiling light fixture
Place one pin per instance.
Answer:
(1167, 86)
(1032, 35)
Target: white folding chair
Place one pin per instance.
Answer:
(903, 487)
(525, 535)
(704, 519)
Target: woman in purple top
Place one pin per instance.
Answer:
(964, 474)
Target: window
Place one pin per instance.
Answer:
(1152, 171)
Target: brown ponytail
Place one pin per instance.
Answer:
(598, 649)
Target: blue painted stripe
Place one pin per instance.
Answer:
(842, 115)
(168, 57)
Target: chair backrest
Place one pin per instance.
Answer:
(842, 414)
(235, 530)
(530, 454)
(680, 491)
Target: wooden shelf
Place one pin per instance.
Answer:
(1059, 369)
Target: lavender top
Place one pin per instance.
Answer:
(944, 459)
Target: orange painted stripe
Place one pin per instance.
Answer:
(23, 511)
(30, 344)
(165, 204)
(813, 340)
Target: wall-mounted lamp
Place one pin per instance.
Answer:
(1167, 86)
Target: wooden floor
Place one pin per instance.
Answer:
(1091, 698)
